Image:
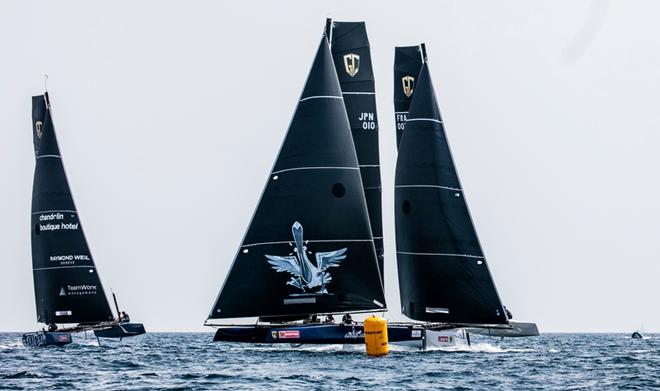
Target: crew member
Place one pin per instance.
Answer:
(508, 313)
(346, 319)
(124, 317)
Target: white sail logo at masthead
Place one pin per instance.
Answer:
(408, 85)
(305, 275)
(352, 64)
(39, 127)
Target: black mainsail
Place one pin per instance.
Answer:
(309, 247)
(443, 275)
(407, 63)
(352, 58)
(66, 284)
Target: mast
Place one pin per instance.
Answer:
(114, 298)
(328, 29)
(407, 64)
(66, 284)
(309, 247)
(352, 58)
(443, 275)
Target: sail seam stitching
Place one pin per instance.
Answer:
(322, 97)
(358, 93)
(40, 156)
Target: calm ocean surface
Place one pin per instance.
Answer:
(183, 361)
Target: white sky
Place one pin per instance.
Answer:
(169, 116)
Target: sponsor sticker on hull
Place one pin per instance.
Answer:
(288, 334)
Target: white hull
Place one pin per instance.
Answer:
(437, 340)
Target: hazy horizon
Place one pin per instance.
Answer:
(169, 117)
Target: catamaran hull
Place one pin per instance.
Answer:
(311, 334)
(44, 338)
(121, 330)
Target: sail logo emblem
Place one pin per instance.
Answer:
(408, 85)
(352, 64)
(354, 333)
(307, 276)
(39, 127)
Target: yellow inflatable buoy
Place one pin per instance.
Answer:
(375, 336)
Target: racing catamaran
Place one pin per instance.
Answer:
(67, 286)
(311, 248)
(444, 280)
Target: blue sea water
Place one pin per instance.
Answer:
(190, 361)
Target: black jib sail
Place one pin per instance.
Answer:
(407, 63)
(309, 247)
(352, 57)
(443, 275)
(67, 287)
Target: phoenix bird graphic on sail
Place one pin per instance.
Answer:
(305, 274)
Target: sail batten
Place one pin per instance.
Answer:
(66, 282)
(313, 168)
(310, 241)
(443, 275)
(313, 191)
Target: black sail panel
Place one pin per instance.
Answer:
(66, 285)
(309, 247)
(443, 275)
(352, 57)
(407, 63)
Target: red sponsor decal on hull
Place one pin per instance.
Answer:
(284, 334)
